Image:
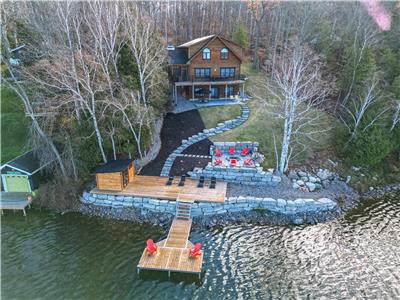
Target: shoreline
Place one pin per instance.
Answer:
(254, 216)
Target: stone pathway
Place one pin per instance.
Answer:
(205, 134)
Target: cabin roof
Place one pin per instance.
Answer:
(27, 163)
(113, 166)
(178, 56)
(195, 41)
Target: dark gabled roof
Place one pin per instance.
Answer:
(178, 56)
(114, 166)
(196, 41)
(27, 163)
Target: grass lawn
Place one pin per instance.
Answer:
(213, 115)
(260, 127)
(14, 126)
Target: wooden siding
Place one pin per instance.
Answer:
(215, 63)
(109, 181)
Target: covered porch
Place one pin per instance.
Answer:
(205, 91)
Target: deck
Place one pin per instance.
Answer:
(154, 187)
(14, 201)
(172, 254)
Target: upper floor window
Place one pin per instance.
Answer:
(227, 72)
(202, 72)
(206, 53)
(224, 53)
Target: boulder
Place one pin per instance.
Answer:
(295, 185)
(302, 173)
(311, 186)
(323, 174)
(304, 178)
(300, 182)
(312, 179)
(318, 186)
(293, 175)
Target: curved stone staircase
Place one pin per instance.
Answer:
(205, 134)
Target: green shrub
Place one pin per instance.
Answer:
(369, 147)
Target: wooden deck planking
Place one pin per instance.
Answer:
(173, 252)
(154, 187)
(171, 259)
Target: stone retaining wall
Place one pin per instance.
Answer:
(231, 205)
(239, 146)
(248, 176)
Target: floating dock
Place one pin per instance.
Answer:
(173, 252)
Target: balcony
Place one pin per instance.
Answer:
(188, 80)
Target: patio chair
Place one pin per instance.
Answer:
(231, 150)
(218, 152)
(169, 181)
(217, 162)
(233, 162)
(245, 151)
(248, 162)
(151, 247)
(201, 182)
(182, 181)
(213, 183)
(195, 251)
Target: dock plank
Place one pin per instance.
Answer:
(154, 187)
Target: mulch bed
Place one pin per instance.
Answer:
(182, 165)
(200, 148)
(176, 127)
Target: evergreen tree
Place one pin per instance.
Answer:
(239, 35)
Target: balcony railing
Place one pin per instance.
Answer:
(209, 78)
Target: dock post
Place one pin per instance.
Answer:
(169, 274)
(24, 212)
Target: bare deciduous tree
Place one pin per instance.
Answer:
(296, 90)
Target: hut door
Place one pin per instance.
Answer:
(125, 178)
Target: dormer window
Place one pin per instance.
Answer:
(224, 53)
(206, 54)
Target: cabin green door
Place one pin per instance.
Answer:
(16, 183)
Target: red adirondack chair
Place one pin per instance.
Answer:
(195, 251)
(248, 161)
(233, 162)
(231, 150)
(151, 247)
(245, 151)
(217, 162)
(218, 152)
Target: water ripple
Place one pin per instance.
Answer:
(48, 256)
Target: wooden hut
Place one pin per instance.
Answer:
(115, 174)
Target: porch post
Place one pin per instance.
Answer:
(176, 95)
(193, 91)
(242, 91)
(226, 91)
(209, 92)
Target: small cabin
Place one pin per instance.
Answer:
(115, 174)
(22, 174)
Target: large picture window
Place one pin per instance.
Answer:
(224, 53)
(202, 72)
(206, 53)
(227, 72)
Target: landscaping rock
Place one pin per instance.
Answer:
(310, 186)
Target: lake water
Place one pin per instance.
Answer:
(49, 256)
